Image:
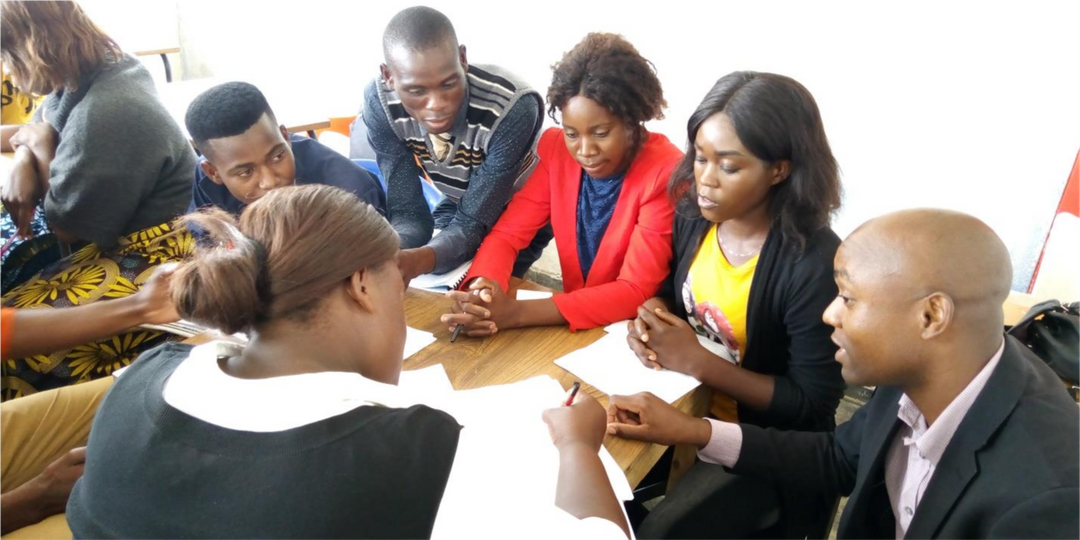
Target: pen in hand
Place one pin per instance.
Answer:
(572, 394)
(457, 329)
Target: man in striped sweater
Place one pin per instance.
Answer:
(470, 130)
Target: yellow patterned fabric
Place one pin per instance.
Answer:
(90, 275)
(15, 106)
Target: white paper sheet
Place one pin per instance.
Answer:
(610, 366)
(416, 340)
(523, 294)
(428, 381)
(505, 473)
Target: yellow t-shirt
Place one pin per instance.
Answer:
(715, 295)
(15, 106)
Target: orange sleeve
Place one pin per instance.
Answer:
(7, 324)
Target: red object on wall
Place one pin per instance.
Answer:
(1070, 203)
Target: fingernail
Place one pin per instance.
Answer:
(657, 368)
(611, 430)
(487, 314)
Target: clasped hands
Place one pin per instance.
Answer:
(483, 309)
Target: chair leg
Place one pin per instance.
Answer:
(168, 67)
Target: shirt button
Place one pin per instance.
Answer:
(909, 511)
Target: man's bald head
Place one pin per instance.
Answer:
(928, 250)
(922, 252)
(416, 30)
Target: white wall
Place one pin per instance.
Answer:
(965, 105)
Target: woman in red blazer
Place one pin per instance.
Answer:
(601, 182)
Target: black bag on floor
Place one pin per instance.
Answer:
(1052, 331)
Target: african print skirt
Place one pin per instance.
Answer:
(91, 275)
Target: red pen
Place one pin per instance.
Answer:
(572, 394)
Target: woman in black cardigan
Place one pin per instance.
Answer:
(753, 273)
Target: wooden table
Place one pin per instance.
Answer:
(297, 114)
(515, 355)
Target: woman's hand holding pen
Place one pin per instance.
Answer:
(580, 424)
(482, 310)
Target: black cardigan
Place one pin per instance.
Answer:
(785, 335)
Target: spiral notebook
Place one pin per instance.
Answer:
(442, 282)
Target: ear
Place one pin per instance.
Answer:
(285, 135)
(781, 171)
(386, 75)
(463, 58)
(210, 171)
(357, 287)
(935, 314)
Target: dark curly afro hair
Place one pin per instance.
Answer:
(610, 71)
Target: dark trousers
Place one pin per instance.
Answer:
(444, 214)
(709, 502)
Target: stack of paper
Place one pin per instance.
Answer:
(610, 366)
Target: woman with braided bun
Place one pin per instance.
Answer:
(302, 432)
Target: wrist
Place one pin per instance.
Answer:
(515, 315)
(701, 433)
(28, 502)
(576, 448)
(133, 310)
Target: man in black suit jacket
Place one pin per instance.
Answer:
(969, 435)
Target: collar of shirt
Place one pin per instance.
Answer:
(200, 388)
(931, 441)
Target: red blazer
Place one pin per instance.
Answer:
(635, 254)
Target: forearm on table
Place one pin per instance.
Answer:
(40, 331)
(746, 387)
(584, 490)
(540, 312)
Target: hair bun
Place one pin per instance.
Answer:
(222, 287)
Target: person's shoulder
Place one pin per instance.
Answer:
(1042, 426)
(551, 143)
(656, 160)
(154, 363)
(817, 250)
(487, 75)
(1044, 405)
(121, 97)
(420, 426)
(371, 93)
(325, 166)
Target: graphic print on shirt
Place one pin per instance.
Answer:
(708, 320)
